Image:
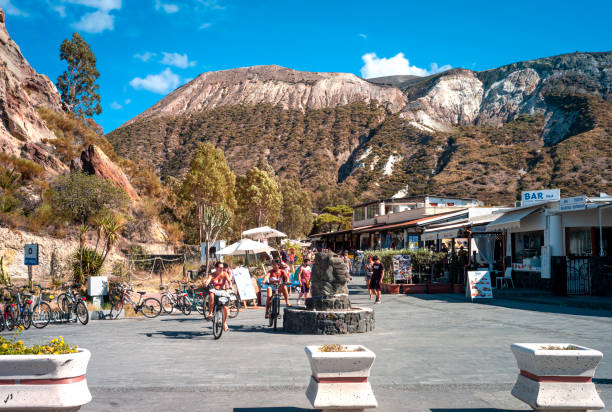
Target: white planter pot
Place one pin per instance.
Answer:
(556, 379)
(340, 379)
(44, 382)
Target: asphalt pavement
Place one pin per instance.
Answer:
(434, 353)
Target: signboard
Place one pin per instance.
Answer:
(213, 249)
(413, 242)
(545, 262)
(31, 254)
(480, 284)
(529, 265)
(532, 197)
(402, 267)
(573, 203)
(242, 277)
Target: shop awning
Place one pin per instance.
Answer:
(444, 232)
(510, 220)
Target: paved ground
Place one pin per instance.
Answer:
(434, 353)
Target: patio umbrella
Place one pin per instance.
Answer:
(263, 232)
(245, 247)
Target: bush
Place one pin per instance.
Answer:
(86, 262)
(81, 197)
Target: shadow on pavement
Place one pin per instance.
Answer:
(179, 334)
(551, 307)
(200, 318)
(474, 410)
(276, 409)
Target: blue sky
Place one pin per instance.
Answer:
(146, 48)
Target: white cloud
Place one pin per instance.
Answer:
(116, 106)
(205, 26)
(161, 83)
(127, 101)
(166, 7)
(177, 60)
(11, 9)
(61, 10)
(363, 36)
(375, 66)
(145, 57)
(96, 22)
(99, 20)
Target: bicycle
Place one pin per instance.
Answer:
(168, 300)
(196, 299)
(18, 313)
(217, 318)
(41, 312)
(234, 305)
(71, 304)
(274, 313)
(150, 307)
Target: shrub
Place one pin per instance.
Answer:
(422, 259)
(86, 262)
(16, 347)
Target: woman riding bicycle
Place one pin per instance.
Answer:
(217, 281)
(276, 276)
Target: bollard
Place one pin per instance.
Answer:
(556, 376)
(339, 380)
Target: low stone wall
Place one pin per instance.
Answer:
(12, 244)
(332, 322)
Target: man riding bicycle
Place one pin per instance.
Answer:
(278, 277)
(218, 281)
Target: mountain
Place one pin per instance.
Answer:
(489, 134)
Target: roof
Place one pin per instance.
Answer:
(410, 199)
(409, 223)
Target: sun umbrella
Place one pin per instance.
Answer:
(263, 232)
(244, 247)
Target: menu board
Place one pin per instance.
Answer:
(402, 267)
(480, 284)
(242, 277)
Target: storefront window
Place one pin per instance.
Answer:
(359, 213)
(527, 250)
(373, 210)
(580, 242)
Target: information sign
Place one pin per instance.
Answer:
(573, 203)
(531, 197)
(480, 284)
(242, 277)
(31, 254)
(402, 267)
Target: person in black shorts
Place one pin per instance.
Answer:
(378, 272)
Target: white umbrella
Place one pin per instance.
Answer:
(244, 247)
(263, 232)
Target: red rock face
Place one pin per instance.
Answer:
(37, 154)
(94, 161)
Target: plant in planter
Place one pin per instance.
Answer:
(340, 377)
(556, 376)
(49, 376)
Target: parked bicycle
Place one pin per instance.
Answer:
(150, 307)
(18, 311)
(41, 311)
(71, 304)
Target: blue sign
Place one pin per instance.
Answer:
(31, 254)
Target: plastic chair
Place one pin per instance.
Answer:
(507, 279)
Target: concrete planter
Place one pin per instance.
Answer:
(558, 380)
(390, 288)
(340, 379)
(413, 289)
(44, 382)
(439, 288)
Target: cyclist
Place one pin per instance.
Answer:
(276, 276)
(217, 282)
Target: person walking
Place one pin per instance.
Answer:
(378, 272)
(304, 279)
(368, 274)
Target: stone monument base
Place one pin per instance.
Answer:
(328, 322)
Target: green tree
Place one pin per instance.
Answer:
(82, 198)
(77, 84)
(259, 198)
(334, 218)
(209, 182)
(296, 213)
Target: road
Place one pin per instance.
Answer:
(434, 353)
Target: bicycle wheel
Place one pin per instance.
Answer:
(41, 315)
(167, 304)
(2, 325)
(26, 318)
(218, 322)
(186, 307)
(61, 299)
(82, 313)
(151, 307)
(116, 309)
(199, 304)
(10, 317)
(234, 308)
(276, 310)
